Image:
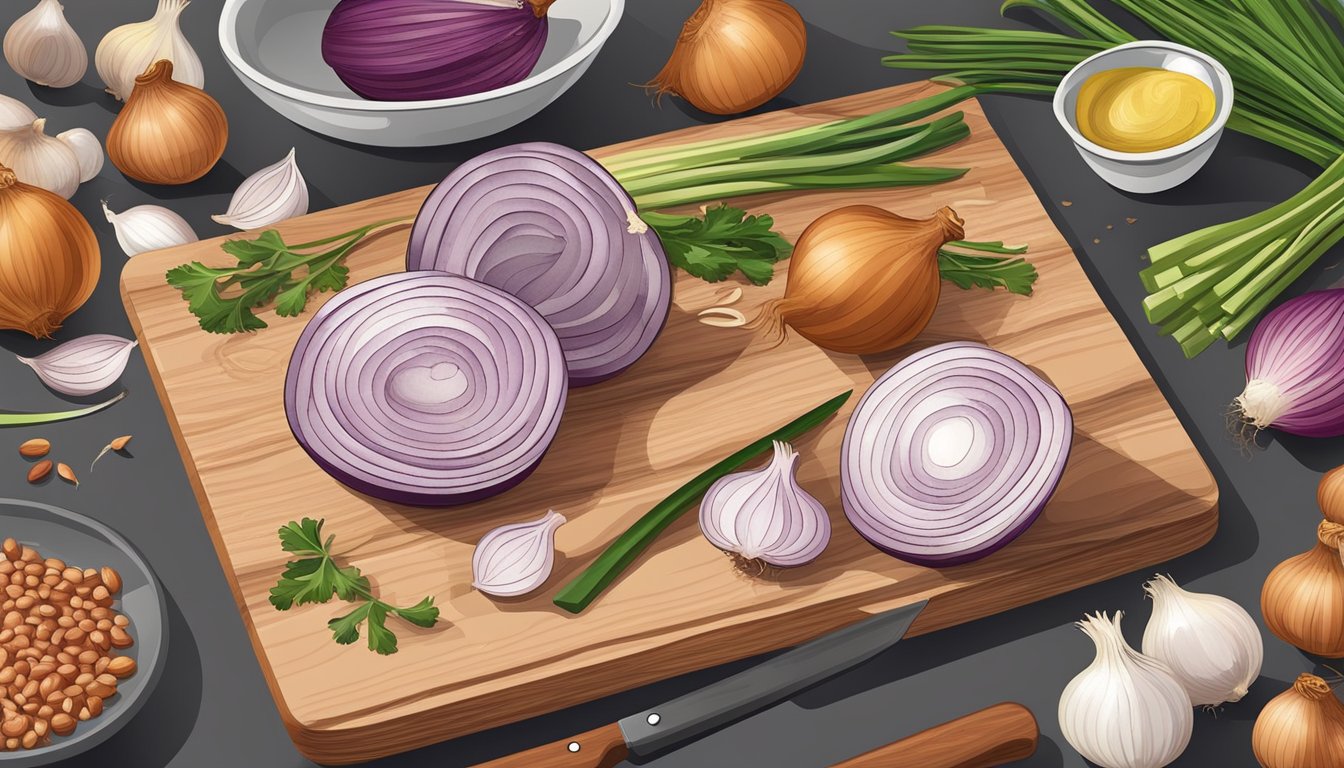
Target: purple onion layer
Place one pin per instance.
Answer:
(413, 50)
(1296, 355)
(952, 454)
(425, 388)
(549, 225)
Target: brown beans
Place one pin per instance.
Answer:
(35, 448)
(62, 724)
(39, 471)
(111, 579)
(121, 666)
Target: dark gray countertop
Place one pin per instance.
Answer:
(212, 707)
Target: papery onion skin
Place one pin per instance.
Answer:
(414, 50)
(1295, 367)
(1330, 495)
(1302, 597)
(1303, 727)
(426, 388)
(168, 132)
(551, 226)
(1009, 440)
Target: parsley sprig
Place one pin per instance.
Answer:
(977, 270)
(315, 578)
(724, 241)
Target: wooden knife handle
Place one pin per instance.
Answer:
(599, 748)
(1001, 734)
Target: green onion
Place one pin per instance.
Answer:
(33, 419)
(584, 589)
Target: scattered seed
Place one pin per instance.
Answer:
(1096, 240)
(1110, 226)
(39, 471)
(1130, 220)
(1066, 203)
(723, 317)
(67, 474)
(35, 448)
(730, 296)
(117, 445)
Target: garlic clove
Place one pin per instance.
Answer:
(1211, 644)
(149, 228)
(42, 47)
(14, 114)
(83, 366)
(516, 559)
(88, 150)
(764, 515)
(127, 51)
(39, 159)
(269, 196)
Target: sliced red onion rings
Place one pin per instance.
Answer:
(549, 225)
(952, 454)
(426, 388)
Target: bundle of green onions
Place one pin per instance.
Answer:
(1288, 67)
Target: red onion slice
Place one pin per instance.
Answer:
(549, 225)
(952, 454)
(425, 388)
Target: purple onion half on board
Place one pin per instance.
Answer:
(549, 225)
(420, 50)
(425, 388)
(952, 454)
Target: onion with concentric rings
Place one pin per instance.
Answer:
(426, 388)
(952, 454)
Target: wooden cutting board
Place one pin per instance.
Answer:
(1135, 493)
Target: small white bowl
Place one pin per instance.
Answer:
(275, 48)
(1147, 172)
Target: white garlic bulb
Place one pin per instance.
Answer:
(14, 113)
(1126, 710)
(87, 149)
(1212, 645)
(764, 515)
(516, 559)
(127, 51)
(43, 47)
(40, 160)
(269, 196)
(83, 366)
(149, 228)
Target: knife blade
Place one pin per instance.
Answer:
(720, 703)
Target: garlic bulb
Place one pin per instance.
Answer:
(40, 160)
(1125, 710)
(269, 196)
(14, 113)
(763, 514)
(1211, 644)
(516, 559)
(43, 47)
(83, 366)
(149, 228)
(127, 51)
(88, 150)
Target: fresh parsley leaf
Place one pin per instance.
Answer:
(965, 271)
(422, 614)
(381, 639)
(723, 241)
(345, 629)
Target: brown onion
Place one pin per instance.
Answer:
(863, 280)
(734, 55)
(49, 259)
(168, 132)
(1303, 597)
(1303, 727)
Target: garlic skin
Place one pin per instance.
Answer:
(14, 113)
(1211, 644)
(83, 366)
(88, 150)
(40, 160)
(149, 228)
(764, 515)
(516, 559)
(269, 196)
(127, 51)
(1126, 710)
(42, 47)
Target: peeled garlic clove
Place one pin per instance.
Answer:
(83, 366)
(149, 228)
(14, 114)
(1126, 710)
(42, 46)
(39, 159)
(1211, 644)
(764, 515)
(88, 150)
(516, 559)
(269, 196)
(127, 51)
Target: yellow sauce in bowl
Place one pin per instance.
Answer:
(1143, 109)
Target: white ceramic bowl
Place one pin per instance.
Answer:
(1147, 172)
(275, 48)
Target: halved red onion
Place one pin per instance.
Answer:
(425, 388)
(952, 454)
(549, 225)
(1295, 367)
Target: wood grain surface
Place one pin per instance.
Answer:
(1135, 492)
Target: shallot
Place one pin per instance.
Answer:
(1295, 368)
(516, 559)
(83, 366)
(763, 514)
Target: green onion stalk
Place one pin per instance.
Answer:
(1287, 64)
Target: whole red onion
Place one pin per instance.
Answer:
(1295, 368)
(413, 50)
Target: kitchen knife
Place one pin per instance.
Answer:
(700, 712)
(1000, 734)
